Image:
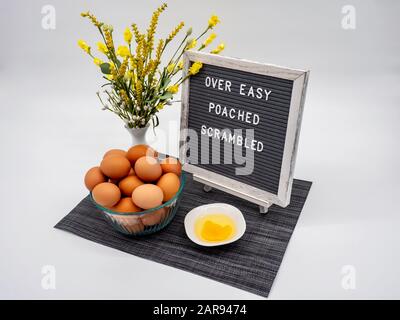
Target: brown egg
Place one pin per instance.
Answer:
(131, 223)
(128, 184)
(169, 184)
(115, 152)
(171, 164)
(147, 196)
(148, 169)
(115, 167)
(154, 217)
(115, 181)
(93, 177)
(106, 194)
(125, 205)
(138, 151)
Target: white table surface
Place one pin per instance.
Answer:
(52, 131)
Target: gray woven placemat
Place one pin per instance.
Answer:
(250, 264)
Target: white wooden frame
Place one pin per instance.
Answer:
(232, 186)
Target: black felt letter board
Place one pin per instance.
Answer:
(270, 130)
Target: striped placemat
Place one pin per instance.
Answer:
(250, 264)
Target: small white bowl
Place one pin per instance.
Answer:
(234, 213)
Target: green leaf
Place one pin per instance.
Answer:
(166, 83)
(105, 68)
(156, 122)
(166, 96)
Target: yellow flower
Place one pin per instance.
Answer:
(175, 31)
(108, 36)
(123, 51)
(123, 68)
(171, 68)
(148, 68)
(213, 21)
(92, 18)
(209, 40)
(139, 91)
(97, 61)
(191, 44)
(124, 96)
(84, 46)
(153, 25)
(102, 47)
(127, 35)
(128, 76)
(109, 77)
(195, 68)
(218, 49)
(180, 64)
(160, 106)
(157, 61)
(173, 89)
(136, 32)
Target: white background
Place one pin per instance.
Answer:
(52, 131)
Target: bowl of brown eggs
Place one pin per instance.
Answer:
(138, 191)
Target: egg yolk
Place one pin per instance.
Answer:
(215, 227)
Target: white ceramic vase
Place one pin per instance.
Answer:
(138, 134)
